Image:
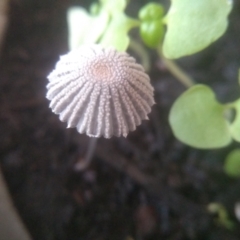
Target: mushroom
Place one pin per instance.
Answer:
(100, 91)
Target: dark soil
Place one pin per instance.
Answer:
(148, 186)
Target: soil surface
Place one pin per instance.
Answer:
(147, 186)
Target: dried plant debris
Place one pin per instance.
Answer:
(100, 91)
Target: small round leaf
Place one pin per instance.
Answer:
(235, 126)
(197, 119)
(232, 163)
(151, 32)
(151, 11)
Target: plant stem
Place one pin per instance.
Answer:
(176, 71)
(142, 53)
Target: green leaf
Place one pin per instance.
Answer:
(151, 32)
(152, 26)
(84, 28)
(197, 119)
(107, 25)
(235, 126)
(116, 34)
(151, 11)
(116, 6)
(232, 163)
(192, 25)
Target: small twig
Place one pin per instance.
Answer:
(176, 71)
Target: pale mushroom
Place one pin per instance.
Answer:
(100, 91)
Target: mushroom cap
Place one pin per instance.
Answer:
(100, 91)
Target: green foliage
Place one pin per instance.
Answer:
(151, 28)
(151, 11)
(116, 35)
(190, 25)
(151, 33)
(197, 119)
(232, 163)
(106, 24)
(235, 126)
(222, 217)
(193, 25)
(79, 33)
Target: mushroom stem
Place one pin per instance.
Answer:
(82, 164)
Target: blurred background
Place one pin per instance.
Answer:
(148, 186)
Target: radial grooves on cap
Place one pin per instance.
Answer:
(139, 91)
(108, 116)
(63, 78)
(100, 91)
(126, 105)
(111, 54)
(64, 66)
(78, 106)
(135, 66)
(100, 117)
(130, 95)
(141, 77)
(58, 89)
(64, 97)
(71, 109)
(143, 103)
(140, 87)
(115, 124)
(118, 112)
(140, 106)
(91, 111)
(124, 124)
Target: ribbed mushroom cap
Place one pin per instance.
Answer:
(100, 91)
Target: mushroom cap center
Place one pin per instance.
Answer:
(102, 71)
